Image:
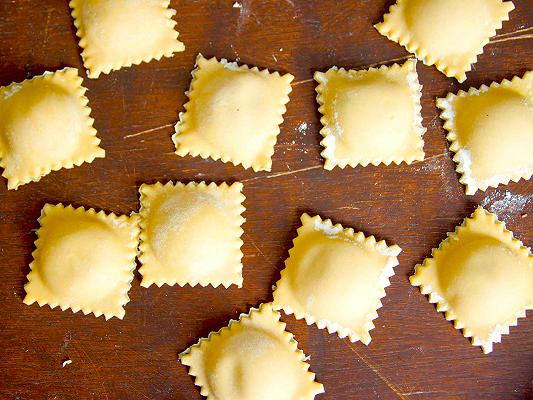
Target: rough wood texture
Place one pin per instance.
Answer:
(415, 353)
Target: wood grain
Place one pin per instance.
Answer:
(415, 353)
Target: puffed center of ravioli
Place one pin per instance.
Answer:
(448, 27)
(253, 364)
(42, 120)
(484, 281)
(190, 232)
(336, 279)
(373, 118)
(123, 29)
(79, 260)
(234, 113)
(495, 127)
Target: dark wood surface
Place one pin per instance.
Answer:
(415, 353)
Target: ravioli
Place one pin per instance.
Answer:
(449, 34)
(335, 278)
(370, 116)
(253, 358)
(233, 113)
(191, 234)
(120, 33)
(491, 132)
(84, 260)
(45, 125)
(480, 277)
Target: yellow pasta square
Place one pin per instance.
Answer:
(335, 278)
(83, 260)
(449, 34)
(252, 358)
(45, 125)
(370, 116)
(491, 132)
(480, 277)
(233, 113)
(121, 33)
(191, 234)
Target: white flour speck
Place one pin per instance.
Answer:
(327, 229)
(237, 5)
(441, 164)
(302, 128)
(433, 165)
(506, 205)
(233, 66)
(12, 90)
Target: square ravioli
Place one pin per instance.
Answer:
(370, 116)
(45, 125)
(233, 113)
(252, 358)
(491, 132)
(83, 260)
(191, 234)
(119, 33)
(481, 277)
(449, 34)
(335, 278)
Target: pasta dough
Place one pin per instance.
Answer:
(83, 260)
(45, 126)
(335, 278)
(370, 116)
(191, 234)
(481, 277)
(233, 113)
(252, 359)
(120, 33)
(491, 132)
(449, 34)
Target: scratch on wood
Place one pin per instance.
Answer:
(431, 158)
(158, 128)
(47, 24)
(302, 82)
(150, 89)
(96, 370)
(508, 39)
(420, 392)
(296, 171)
(513, 32)
(433, 120)
(375, 369)
(245, 13)
(259, 250)
(298, 83)
(387, 61)
(136, 391)
(124, 103)
(348, 208)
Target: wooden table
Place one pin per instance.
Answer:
(415, 353)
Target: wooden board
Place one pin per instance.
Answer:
(415, 353)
